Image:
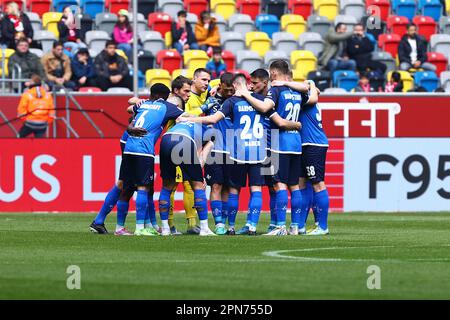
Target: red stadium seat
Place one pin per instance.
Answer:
(169, 60)
(382, 6)
(301, 7)
(426, 26)
(90, 89)
(397, 24)
(439, 60)
(236, 71)
(389, 43)
(196, 6)
(229, 59)
(160, 22)
(250, 7)
(39, 6)
(115, 5)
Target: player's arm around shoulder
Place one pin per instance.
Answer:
(284, 124)
(262, 106)
(297, 86)
(212, 119)
(313, 94)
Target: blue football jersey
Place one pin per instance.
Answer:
(152, 116)
(124, 137)
(212, 105)
(288, 104)
(191, 130)
(312, 130)
(248, 141)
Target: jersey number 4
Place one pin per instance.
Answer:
(258, 129)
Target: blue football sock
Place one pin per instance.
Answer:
(273, 210)
(150, 217)
(201, 204)
(322, 203)
(224, 211)
(141, 206)
(296, 207)
(122, 212)
(164, 203)
(310, 195)
(216, 209)
(108, 205)
(282, 201)
(304, 208)
(254, 207)
(233, 205)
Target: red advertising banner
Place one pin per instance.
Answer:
(74, 175)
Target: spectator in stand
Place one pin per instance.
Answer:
(360, 48)
(57, 67)
(412, 51)
(112, 69)
(334, 55)
(69, 35)
(207, 32)
(364, 84)
(36, 109)
(123, 34)
(83, 69)
(15, 25)
(183, 37)
(28, 62)
(396, 83)
(216, 65)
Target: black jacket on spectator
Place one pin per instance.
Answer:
(372, 23)
(8, 31)
(360, 49)
(64, 32)
(106, 66)
(176, 33)
(404, 49)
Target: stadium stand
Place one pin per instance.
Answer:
(105, 21)
(258, 42)
(284, 41)
(92, 7)
(354, 8)
(160, 22)
(404, 8)
(153, 76)
(426, 79)
(426, 26)
(445, 80)
(439, 60)
(250, 7)
(242, 23)
(171, 7)
(311, 41)
(152, 41)
(96, 39)
(275, 7)
(294, 24)
(45, 39)
(389, 43)
(194, 59)
(275, 55)
(232, 41)
(196, 6)
(319, 24)
(248, 60)
(301, 7)
(345, 79)
(267, 23)
(226, 8)
(383, 6)
(408, 81)
(169, 60)
(397, 24)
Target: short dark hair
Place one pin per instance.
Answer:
(409, 25)
(359, 24)
(57, 44)
(340, 24)
(179, 82)
(23, 39)
(159, 91)
(182, 13)
(260, 74)
(110, 43)
(239, 77)
(281, 66)
(200, 70)
(227, 78)
(217, 50)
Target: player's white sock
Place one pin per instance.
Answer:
(147, 225)
(252, 228)
(204, 224)
(165, 224)
(118, 227)
(139, 226)
(220, 225)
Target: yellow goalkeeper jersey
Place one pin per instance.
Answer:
(195, 102)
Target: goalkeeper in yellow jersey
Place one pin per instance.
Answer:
(194, 98)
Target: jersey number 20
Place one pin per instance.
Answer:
(294, 111)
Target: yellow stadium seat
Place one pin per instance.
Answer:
(303, 61)
(327, 8)
(8, 53)
(298, 76)
(194, 59)
(447, 6)
(225, 8)
(153, 76)
(408, 81)
(50, 22)
(188, 73)
(294, 24)
(258, 42)
(122, 54)
(168, 39)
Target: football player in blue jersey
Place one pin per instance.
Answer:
(139, 152)
(181, 146)
(314, 146)
(247, 146)
(286, 150)
(259, 83)
(215, 166)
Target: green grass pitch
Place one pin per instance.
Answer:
(411, 250)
